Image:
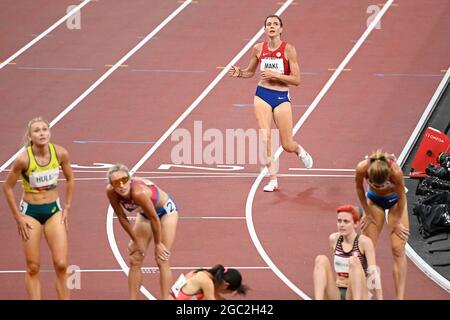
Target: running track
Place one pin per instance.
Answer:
(377, 103)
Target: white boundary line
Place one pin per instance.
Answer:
(144, 269)
(238, 173)
(43, 34)
(251, 195)
(109, 218)
(196, 218)
(106, 75)
(219, 176)
(410, 252)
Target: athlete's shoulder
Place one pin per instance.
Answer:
(257, 48)
(22, 159)
(290, 47)
(365, 242)
(61, 153)
(333, 238)
(364, 239)
(60, 150)
(362, 166)
(139, 188)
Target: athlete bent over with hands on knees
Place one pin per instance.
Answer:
(156, 217)
(279, 69)
(40, 209)
(386, 191)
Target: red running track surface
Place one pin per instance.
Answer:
(375, 104)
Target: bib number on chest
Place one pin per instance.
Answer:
(272, 64)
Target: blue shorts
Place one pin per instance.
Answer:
(384, 202)
(168, 208)
(273, 97)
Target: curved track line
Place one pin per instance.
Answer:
(109, 220)
(43, 34)
(251, 195)
(410, 252)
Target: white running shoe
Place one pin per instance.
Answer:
(271, 186)
(307, 159)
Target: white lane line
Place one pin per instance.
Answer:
(105, 75)
(237, 176)
(197, 218)
(43, 34)
(109, 217)
(144, 269)
(410, 252)
(255, 173)
(251, 195)
(321, 169)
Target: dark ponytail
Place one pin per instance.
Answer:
(232, 276)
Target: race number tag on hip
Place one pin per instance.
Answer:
(272, 64)
(170, 206)
(23, 206)
(181, 281)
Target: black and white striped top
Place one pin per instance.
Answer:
(341, 258)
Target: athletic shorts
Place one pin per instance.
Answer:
(273, 97)
(384, 202)
(168, 208)
(40, 212)
(342, 292)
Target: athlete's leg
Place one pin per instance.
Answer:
(357, 289)
(375, 225)
(398, 251)
(56, 235)
(283, 119)
(32, 256)
(169, 229)
(324, 283)
(143, 232)
(263, 113)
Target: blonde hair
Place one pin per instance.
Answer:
(379, 168)
(115, 168)
(26, 137)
